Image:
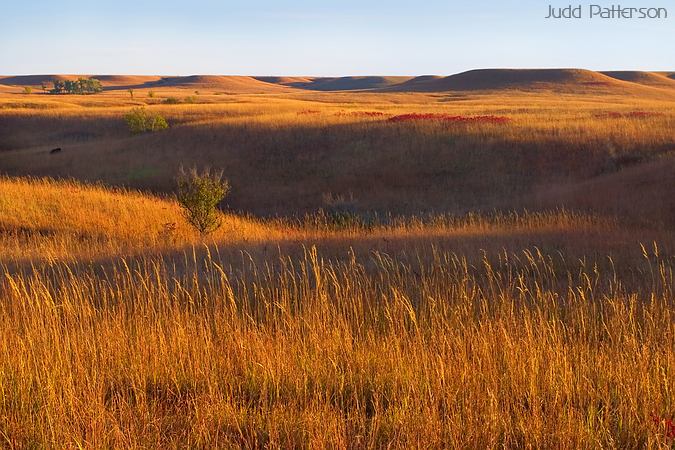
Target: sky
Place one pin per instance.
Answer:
(322, 37)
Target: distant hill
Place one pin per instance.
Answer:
(338, 83)
(125, 80)
(419, 83)
(562, 80)
(34, 80)
(106, 80)
(236, 84)
(286, 81)
(496, 79)
(646, 78)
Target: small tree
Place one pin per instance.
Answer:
(27, 90)
(151, 94)
(199, 195)
(131, 92)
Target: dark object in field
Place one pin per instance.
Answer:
(54, 150)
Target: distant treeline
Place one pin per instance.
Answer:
(79, 86)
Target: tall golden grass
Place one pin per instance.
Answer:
(135, 342)
(120, 327)
(355, 354)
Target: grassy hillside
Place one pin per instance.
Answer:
(46, 220)
(43, 220)
(344, 83)
(558, 80)
(647, 78)
(566, 80)
(394, 152)
(507, 331)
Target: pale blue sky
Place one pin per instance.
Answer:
(321, 37)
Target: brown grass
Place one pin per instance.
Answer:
(416, 346)
(463, 325)
(551, 142)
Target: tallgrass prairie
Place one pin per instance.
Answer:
(395, 269)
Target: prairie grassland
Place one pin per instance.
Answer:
(300, 146)
(452, 322)
(139, 342)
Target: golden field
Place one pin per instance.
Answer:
(514, 289)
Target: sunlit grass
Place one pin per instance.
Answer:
(350, 354)
(121, 327)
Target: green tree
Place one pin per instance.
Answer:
(79, 86)
(59, 87)
(71, 87)
(199, 195)
(88, 86)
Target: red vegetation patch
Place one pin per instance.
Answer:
(308, 111)
(667, 426)
(360, 114)
(447, 118)
(628, 115)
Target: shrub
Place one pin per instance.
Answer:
(27, 90)
(151, 94)
(199, 195)
(171, 101)
(157, 123)
(139, 120)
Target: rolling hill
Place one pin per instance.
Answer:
(33, 80)
(643, 192)
(646, 78)
(106, 80)
(235, 84)
(286, 81)
(562, 80)
(523, 79)
(338, 83)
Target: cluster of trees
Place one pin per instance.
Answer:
(79, 86)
